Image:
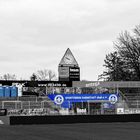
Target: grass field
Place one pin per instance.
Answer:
(87, 131)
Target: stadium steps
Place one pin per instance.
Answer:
(12, 105)
(48, 103)
(132, 97)
(27, 102)
(8, 99)
(27, 98)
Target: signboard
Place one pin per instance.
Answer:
(63, 72)
(107, 84)
(74, 73)
(69, 73)
(60, 99)
(3, 112)
(120, 110)
(74, 69)
(55, 83)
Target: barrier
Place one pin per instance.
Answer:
(67, 119)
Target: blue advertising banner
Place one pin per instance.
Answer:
(60, 99)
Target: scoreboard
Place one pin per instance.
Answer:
(69, 73)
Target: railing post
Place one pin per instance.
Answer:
(21, 105)
(88, 108)
(29, 105)
(2, 104)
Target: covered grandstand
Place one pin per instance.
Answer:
(81, 97)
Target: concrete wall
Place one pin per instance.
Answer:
(14, 120)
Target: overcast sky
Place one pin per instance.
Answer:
(34, 34)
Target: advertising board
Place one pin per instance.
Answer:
(60, 99)
(63, 72)
(74, 73)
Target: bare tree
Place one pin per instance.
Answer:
(45, 74)
(8, 77)
(51, 75)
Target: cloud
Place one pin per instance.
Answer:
(35, 33)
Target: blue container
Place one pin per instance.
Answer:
(1, 91)
(14, 91)
(7, 91)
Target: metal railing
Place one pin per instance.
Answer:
(88, 108)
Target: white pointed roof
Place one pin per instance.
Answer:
(68, 53)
